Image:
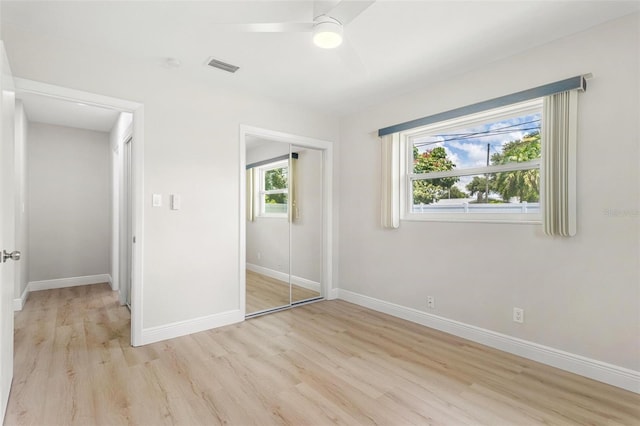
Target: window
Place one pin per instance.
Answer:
(484, 166)
(428, 162)
(274, 189)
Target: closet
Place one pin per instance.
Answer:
(285, 235)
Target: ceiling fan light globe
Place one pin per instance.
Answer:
(327, 35)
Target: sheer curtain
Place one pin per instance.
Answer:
(559, 140)
(390, 184)
(294, 212)
(251, 214)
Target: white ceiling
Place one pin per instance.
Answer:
(392, 47)
(44, 109)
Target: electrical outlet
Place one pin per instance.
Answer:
(518, 315)
(431, 303)
(259, 256)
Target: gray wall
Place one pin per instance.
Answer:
(69, 202)
(581, 294)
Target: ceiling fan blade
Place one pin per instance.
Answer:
(268, 27)
(350, 57)
(322, 7)
(346, 11)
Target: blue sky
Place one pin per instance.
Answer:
(467, 147)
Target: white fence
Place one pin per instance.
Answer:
(465, 207)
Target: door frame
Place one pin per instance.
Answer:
(126, 199)
(137, 109)
(326, 147)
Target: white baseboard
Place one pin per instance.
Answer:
(113, 283)
(334, 293)
(19, 302)
(299, 281)
(593, 369)
(305, 283)
(68, 282)
(182, 328)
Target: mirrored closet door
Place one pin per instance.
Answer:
(284, 238)
(306, 224)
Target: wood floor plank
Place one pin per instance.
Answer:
(263, 292)
(78, 408)
(321, 364)
(303, 405)
(148, 401)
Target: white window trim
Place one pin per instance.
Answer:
(262, 170)
(406, 177)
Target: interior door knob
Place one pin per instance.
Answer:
(14, 255)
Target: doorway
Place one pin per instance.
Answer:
(285, 231)
(126, 268)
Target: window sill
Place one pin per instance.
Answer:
(272, 216)
(525, 219)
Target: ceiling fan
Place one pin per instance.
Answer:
(329, 19)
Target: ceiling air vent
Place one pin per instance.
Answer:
(222, 65)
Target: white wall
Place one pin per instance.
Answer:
(69, 202)
(191, 128)
(580, 294)
(22, 225)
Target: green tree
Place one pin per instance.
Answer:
(478, 187)
(275, 179)
(431, 190)
(523, 184)
(455, 192)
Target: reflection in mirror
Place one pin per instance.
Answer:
(267, 225)
(306, 223)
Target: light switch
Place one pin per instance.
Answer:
(175, 202)
(156, 200)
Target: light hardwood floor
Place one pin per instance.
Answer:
(264, 292)
(326, 363)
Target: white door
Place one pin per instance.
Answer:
(7, 228)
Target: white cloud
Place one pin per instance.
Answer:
(472, 152)
(476, 153)
(501, 139)
(428, 143)
(463, 182)
(455, 158)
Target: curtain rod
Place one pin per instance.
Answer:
(271, 160)
(578, 82)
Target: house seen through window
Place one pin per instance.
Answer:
(487, 163)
